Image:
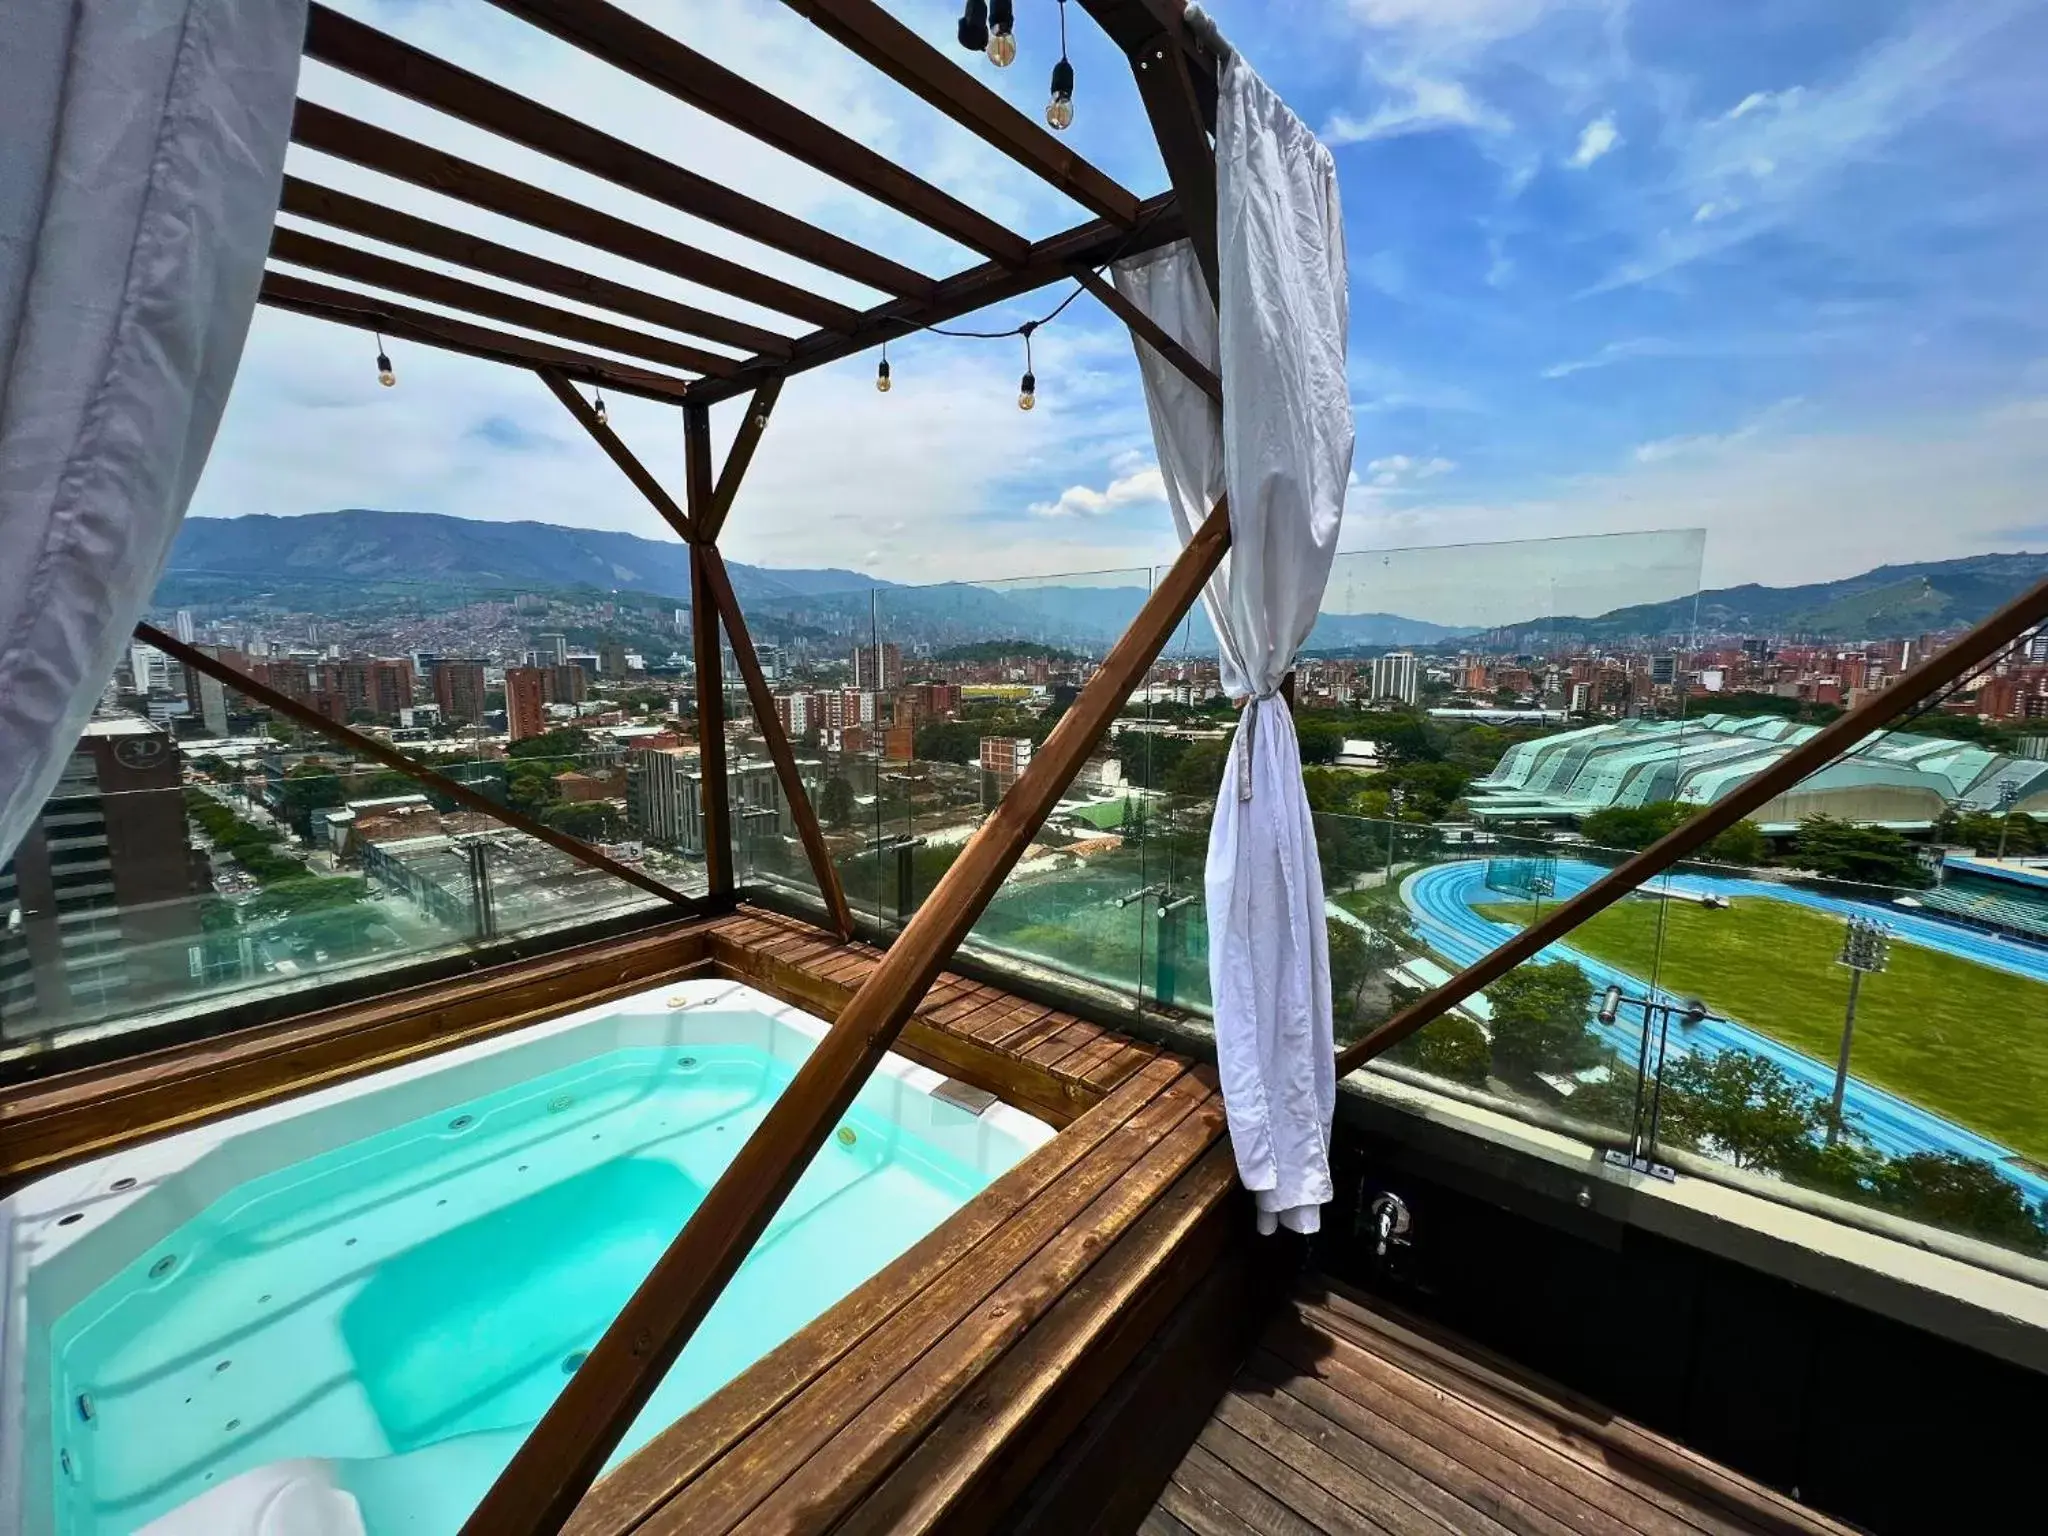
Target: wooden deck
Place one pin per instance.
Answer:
(1348, 1418)
(1050, 1062)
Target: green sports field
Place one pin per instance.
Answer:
(1963, 1040)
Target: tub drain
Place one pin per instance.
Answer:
(847, 1137)
(560, 1102)
(462, 1122)
(573, 1361)
(163, 1266)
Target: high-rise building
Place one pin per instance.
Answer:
(97, 907)
(877, 668)
(1003, 758)
(459, 690)
(555, 648)
(662, 797)
(1397, 676)
(565, 684)
(381, 686)
(525, 702)
(1663, 671)
(183, 626)
(611, 658)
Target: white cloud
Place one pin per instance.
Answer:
(1770, 160)
(1403, 469)
(1143, 487)
(1597, 139)
(1418, 105)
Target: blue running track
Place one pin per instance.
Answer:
(1442, 901)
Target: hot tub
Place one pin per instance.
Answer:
(343, 1313)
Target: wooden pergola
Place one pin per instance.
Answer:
(641, 353)
(1176, 79)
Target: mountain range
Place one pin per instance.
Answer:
(1891, 601)
(359, 559)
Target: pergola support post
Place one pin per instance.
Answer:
(711, 594)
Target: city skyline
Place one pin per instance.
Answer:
(1611, 269)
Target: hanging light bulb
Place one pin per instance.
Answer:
(1059, 111)
(882, 371)
(385, 375)
(1027, 387)
(974, 25)
(598, 410)
(1002, 40)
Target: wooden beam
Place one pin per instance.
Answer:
(1982, 643)
(714, 792)
(366, 312)
(740, 455)
(306, 250)
(1052, 260)
(391, 757)
(618, 452)
(309, 200)
(1150, 332)
(629, 44)
(383, 60)
(1166, 85)
(865, 28)
(565, 1452)
(779, 750)
(391, 154)
(704, 556)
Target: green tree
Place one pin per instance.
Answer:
(1949, 1190)
(565, 741)
(306, 893)
(1452, 1047)
(1320, 742)
(1744, 843)
(1741, 1107)
(1842, 850)
(1638, 826)
(1199, 770)
(1540, 1020)
(1632, 826)
(835, 803)
(948, 741)
(1350, 968)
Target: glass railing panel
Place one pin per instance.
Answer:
(1870, 997)
(174, 873)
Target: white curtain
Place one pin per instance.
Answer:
(141, 151)
(1281, 447)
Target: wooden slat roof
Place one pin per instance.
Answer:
(728, 354)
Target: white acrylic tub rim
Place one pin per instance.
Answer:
(67, 1233)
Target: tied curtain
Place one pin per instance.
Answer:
(1281, 447)
(141, 152)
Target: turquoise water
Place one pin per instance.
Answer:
(408, 1305)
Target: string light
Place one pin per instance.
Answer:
(1027, 387)
(1059, 111)
(598, 410)
(974, 26)
(385, 375)
(882, 372)
(1002, 40)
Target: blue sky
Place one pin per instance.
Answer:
(1769, 269)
